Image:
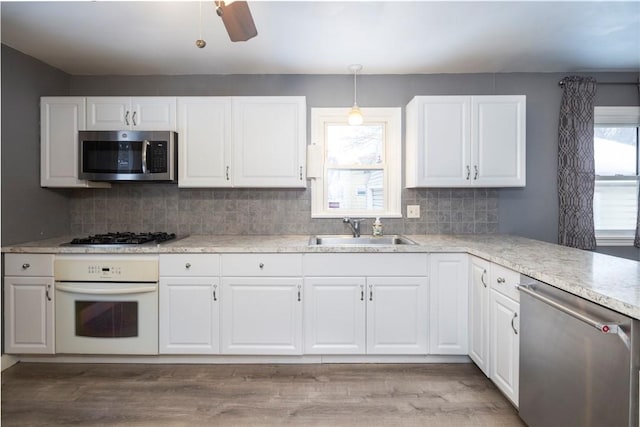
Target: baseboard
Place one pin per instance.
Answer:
(8, 361)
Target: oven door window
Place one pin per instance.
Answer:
(104, 319)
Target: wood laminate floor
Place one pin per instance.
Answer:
(257, 395)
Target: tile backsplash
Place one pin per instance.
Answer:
(165, 207)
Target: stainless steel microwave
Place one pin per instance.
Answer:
(128, 155)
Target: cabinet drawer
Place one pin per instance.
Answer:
(190, 265)
(262, 265)
(28, 265)
(406, 264)
(505, 281)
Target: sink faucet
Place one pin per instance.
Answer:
(354, 224)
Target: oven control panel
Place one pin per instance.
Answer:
(106, 268)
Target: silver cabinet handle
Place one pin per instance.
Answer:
(484, 273)
(227, 173)
(370, 292)
(133, 118)
(26, 265)
(300, 173)
(475, 173)
(299, 291)
(512, 320)
(215, 287)
(261, 265)
(187, 266)
(468, 172)
(48, 295)
(500, 280)
(126, 118)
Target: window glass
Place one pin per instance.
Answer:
(615, 199)
(355, 190)
(355, 145)
(615, 150)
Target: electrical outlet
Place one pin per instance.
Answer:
(413, 211)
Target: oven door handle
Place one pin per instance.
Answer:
(80, 289)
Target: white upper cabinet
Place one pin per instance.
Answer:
(461, 141)
(269, 135)
(498, 133)
(204, 141)
(242, 141)
(60, 120)
(137, 113)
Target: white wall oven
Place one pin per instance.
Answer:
(106, 304)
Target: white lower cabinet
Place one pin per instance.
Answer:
(29, 321)
(350, 312)
(189, 321)
(448, 303)
(262, 304)
(479, 313)
(397, 320)
(505, 344)
(262, 315)
(189, 315)
(334, 315)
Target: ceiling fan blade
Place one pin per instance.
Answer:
(237, 19)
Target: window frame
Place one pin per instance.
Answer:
(618, 117)
(392, 170)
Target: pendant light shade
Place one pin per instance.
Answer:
(355, 115)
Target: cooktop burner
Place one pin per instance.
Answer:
(125, 238)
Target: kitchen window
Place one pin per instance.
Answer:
(617, 160)
(357, 168)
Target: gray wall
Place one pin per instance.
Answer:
(531, 211)
(28, 211)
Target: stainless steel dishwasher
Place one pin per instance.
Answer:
(578, 361)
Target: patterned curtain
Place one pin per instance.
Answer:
(576, 170)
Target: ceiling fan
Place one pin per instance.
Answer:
(236, 18)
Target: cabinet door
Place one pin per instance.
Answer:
(498, 141)
(479, 313)
(261, 315)
(438, 141)
(448, 303)
(334, 315)
(269, 135)
(505, 344)
(397, 315)
(204, 141)
(189, 315)
(153, 113)
(29, 315)
(108, 113)
(60, 120)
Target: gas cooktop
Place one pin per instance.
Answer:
(124, 238)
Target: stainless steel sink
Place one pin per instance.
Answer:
(347, 240)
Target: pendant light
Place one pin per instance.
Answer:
(355, 116)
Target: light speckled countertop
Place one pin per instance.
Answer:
(609, 281)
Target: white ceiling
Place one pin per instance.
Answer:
(321, 37)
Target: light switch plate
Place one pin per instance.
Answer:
(413, 211)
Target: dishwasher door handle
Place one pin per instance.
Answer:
(604, 327)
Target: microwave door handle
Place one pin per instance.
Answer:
(145, 145)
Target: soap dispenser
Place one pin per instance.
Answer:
(377, 227)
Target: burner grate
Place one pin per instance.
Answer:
(124, 238)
